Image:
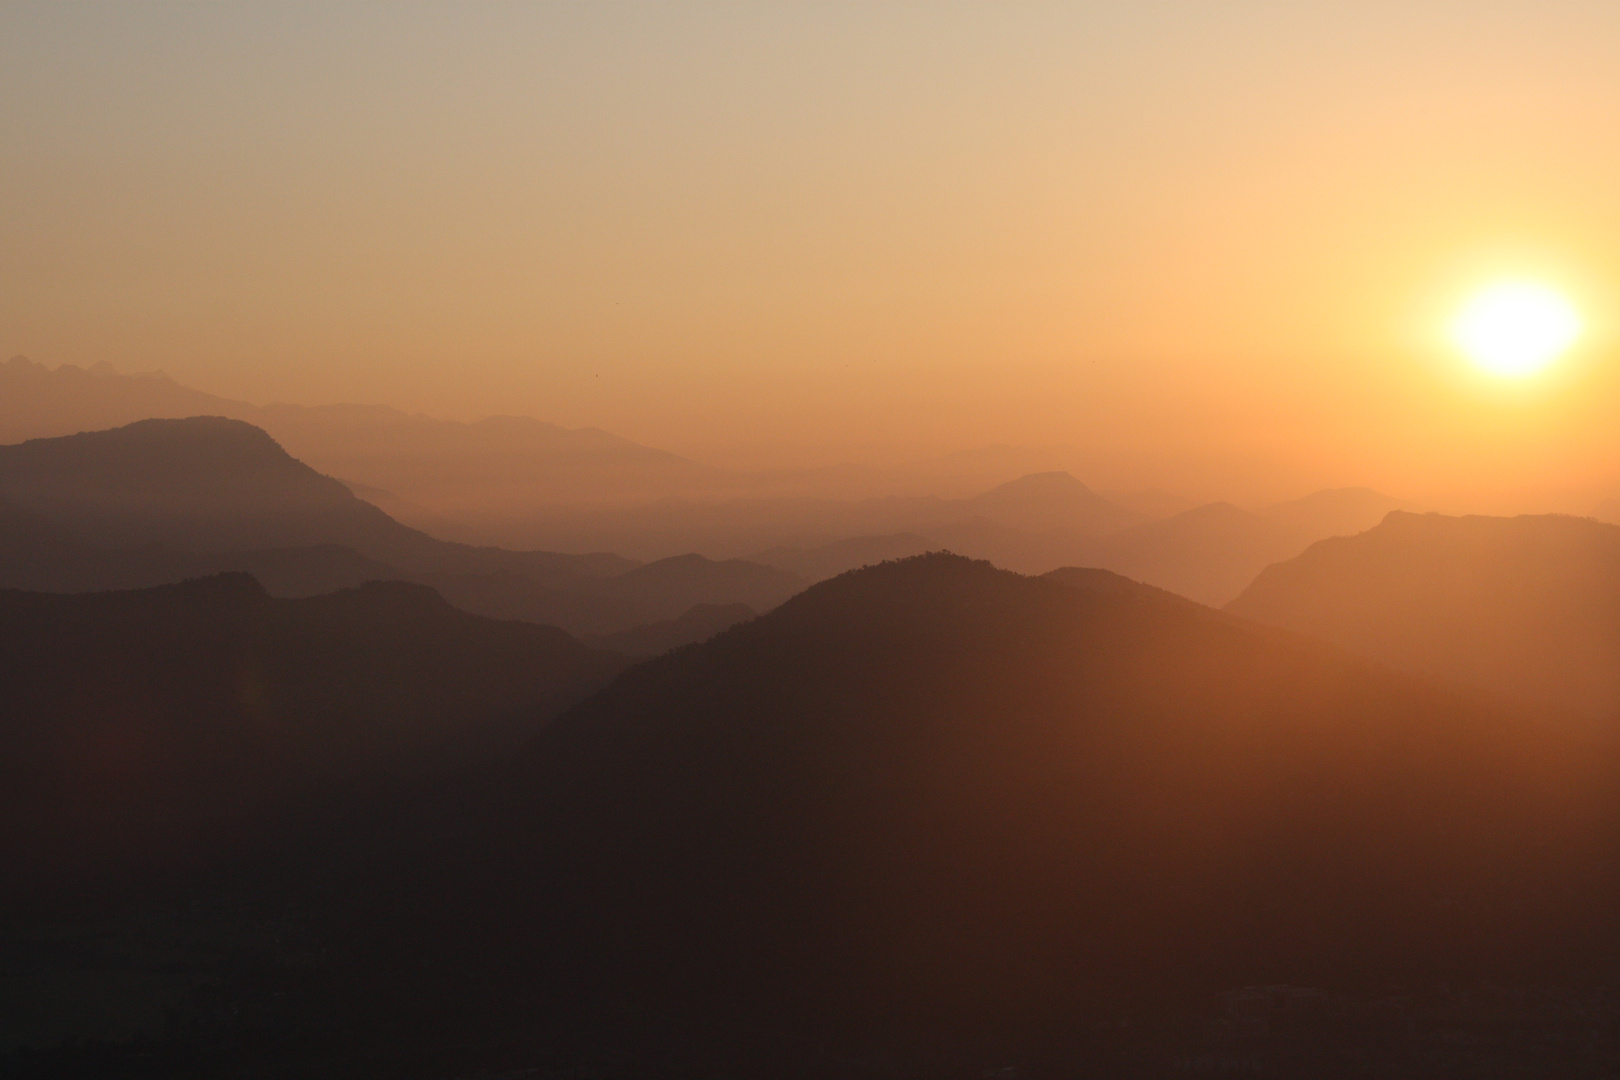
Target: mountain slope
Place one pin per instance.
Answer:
(148, 725)
(936, 801)
(1526, 607)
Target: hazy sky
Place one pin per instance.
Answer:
(1207, 243)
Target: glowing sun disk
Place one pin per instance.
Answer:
(1516, 328)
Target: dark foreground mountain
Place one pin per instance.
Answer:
(1527, 608)
(151, 726)
(935, 808)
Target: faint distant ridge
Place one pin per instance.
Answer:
(451, 466)
(1208, 553)
(1337, 511)
(1051, 500)
(1031, 524)
(39, 402)
(1212, 552)
(1525, 607)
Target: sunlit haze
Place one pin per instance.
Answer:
(1217, 250)
(1516, 328)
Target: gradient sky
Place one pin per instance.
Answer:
(1212, 246)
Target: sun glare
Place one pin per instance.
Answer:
(1516, 328)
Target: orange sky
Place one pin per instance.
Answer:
(1211, 246)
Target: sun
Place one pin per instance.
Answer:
(1516, 328)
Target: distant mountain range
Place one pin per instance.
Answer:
(1527, 608)
(525, 484)
(161, 500)
(446, 465)
(478, 480)
(165, 724)
(932, 807)
(1209, 553)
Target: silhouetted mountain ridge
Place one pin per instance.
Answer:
(935, 799)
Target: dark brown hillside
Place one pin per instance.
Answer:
(142, 727)
(1527, 608)
(935, 799)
